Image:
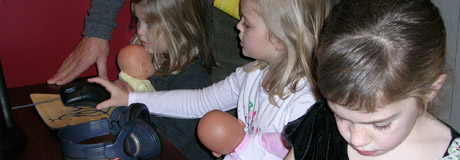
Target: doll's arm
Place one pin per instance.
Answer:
(262, 145)
(274, 143)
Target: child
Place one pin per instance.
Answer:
(224, 134)
(380, 65)
(269, 92)
(176, 39)
(172, 32)
(136, 67)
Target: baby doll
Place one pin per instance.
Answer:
(224, 134)
(136, 67)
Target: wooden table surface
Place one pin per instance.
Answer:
(42, 142)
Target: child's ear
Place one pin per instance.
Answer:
(275, 41)
(436, 86)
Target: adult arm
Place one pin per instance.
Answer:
(94, 46)
(101, 22)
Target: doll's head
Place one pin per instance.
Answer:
(220, 132)
(136, 62)
(380, 64)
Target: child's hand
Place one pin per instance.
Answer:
(124, 85)
(119, 97)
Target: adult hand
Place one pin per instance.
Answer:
(90, 50)
(119, 97)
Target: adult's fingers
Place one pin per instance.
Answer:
(102, 67)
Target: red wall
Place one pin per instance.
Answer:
(37, 35)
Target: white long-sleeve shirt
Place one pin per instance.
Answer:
(242, 90)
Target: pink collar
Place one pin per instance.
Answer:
(243, 143)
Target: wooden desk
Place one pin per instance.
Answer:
(42, 142)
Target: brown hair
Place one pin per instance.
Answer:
(375, 52)
(179, 23)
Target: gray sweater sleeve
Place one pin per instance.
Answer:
(100, 21)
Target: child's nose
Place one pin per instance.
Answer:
(359, 136)
(141, 30)
(239, 26)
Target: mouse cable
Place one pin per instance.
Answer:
(33, 104)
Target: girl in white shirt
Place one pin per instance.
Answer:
(268, 93)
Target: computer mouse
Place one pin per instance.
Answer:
(83, 93)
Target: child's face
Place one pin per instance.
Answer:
(377, 133)
(254, 35)
(147, 34)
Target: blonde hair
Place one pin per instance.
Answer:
(179, 24)
(297, 25)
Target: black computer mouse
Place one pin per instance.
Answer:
(83, 93)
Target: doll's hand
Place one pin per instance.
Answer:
(216, 154)
(119, 97)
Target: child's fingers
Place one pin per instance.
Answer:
(107, 84)
(120, 99)
(104, 104)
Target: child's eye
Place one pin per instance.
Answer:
(382, 127)
(338, 118)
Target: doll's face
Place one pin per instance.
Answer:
(377, 133)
